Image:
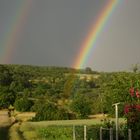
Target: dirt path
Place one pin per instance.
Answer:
(4, 118)
(5, 123)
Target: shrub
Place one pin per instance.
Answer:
(23, 104)
(50, 111)
(56, 133)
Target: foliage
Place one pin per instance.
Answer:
(23, 104)
(5, 76)
(7, 97)
(49, 111)
(53, 84)
(114, 88)
(82, 106)
(132, 110)
(88, 70)
(56, 133)
(66, 132)
(109, 124)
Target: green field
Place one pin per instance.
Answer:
(43, 130)
(31, 130)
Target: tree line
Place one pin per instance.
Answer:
(60, 93)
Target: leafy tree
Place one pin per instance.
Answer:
(81, 105)
(69, 85)
(88, 70)
(114, 88)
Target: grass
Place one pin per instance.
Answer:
(30, 129)
(65, 122)
(27, 130)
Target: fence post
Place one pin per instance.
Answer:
(101, 133)
(85, 132)
(129, 134)
(74, 137)
(117, 119)
(111, 133)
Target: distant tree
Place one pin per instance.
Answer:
(81, 105)
(92, 83)
(69, 86)
(135, 68)
(88, 70)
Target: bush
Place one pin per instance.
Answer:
(23, 104)
(93, 132)
(66, 132)
(56, 133)
(50, 111)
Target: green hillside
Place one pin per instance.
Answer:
(70, 92)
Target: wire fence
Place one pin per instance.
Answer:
(110, 134)
(83, 132)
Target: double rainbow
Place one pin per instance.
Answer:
(16, 25)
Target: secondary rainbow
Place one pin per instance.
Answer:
(14, 30)
(94, 33)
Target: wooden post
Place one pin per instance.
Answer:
(111, 133)
(101, 133)
(85, 132)
(129, 134)
(74, 137)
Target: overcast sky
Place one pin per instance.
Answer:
(54, 30)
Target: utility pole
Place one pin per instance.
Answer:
(117, 122)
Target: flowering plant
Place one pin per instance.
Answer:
(132, 111)
(133, 105)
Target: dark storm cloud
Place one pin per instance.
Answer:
(55, 29)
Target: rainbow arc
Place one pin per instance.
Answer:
(96, 29)
(14, 31)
